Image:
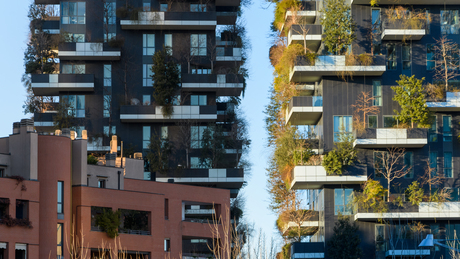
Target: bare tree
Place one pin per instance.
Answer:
(297, 214)
(362, 108)
(446, 64)
(391, 166)
(431, 177)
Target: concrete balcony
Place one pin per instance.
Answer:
(51, 26)
(226, 178)
(149, 113)
(310, 226)
(424, 211)
(228, 55)
(302, 250)
(384, 138)
(44, 122)
(306, 71)
(47, 1)
(304, 110)
(88, 51)
(315, 177)
(402, 29)
(52, 84)
(223, 85)
(312, 38)
(172, 21)
(226, 18)
(308, 12)
(406, 2)
(450, 104)
(227, 2)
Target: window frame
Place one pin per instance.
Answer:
(77, 17)
(148, 44)
(60, 197)
(448, 171)
(198, 44)
(347, 126)
(392, 61)
(378, 99)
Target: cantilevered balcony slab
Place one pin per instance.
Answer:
(385, 138)
(307, 13)
(315, 177)
(52, 84)
(306, 71)
(88, 51)
(149, 113)
(226, 18)
(228, 55)
(172, 21)
(304, 110)
(450, 104)
(222, 84)
(47, 1)
(309, 226)
(51, 26)
(304, 250)
(406, 2)
(310, 34)
(402, 29)
(226, 178)
(228, 2)
(44, 122)
(424, 211)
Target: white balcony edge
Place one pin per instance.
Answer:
(307, 255)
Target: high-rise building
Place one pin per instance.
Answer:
(103, 79)
(345, 95)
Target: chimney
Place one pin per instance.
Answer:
(72, 134)
(58, 133)
(113, 144)
(27, 125)
(66, 132)
(16, 128)
(84, 134)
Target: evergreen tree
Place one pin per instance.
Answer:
(344, 244)
(212, 147)
(158, 155)
(338, 25)
(166, 80)
(410, 96)
(65, 116)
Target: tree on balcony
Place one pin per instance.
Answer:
(159, 154)
(65, 116)
(343, 155)
(446, 61)
(411, 98)
(338, 26)
(390, 166)
(344, 243)
(363, 107)
(212, 147)
(166, 81)
(296, 213)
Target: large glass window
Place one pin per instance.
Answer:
(198, 100)
(146, 5)
(342, 127)
(406, 56)
(197, 136)
(60, 197)
(168, 43)
(343, 199)
(449, 21)
(198, 44)
(372, 121)
(146, 137)
(448, 164)
(22, 209)
(433, 163)
(76, 104)
(447, 128)
(73, 68)
(109, 13)
(147, 75)
(148, 44)
(377, 92)
(379, 237)
(430, 57)
(110, 131)
(391, 57)
(73, 12)
(379, 166)
(428, 21)
(107, 105)
(409, 163)
(60, 246)
(197, 8)
(389, 121)
(146, 99)
(163, 7)
(433, 136)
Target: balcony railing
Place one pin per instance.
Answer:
(315, 176)
(52, 84)
(304, 110)
(172, 21)
(307, 250)
(149, 113)
(403, 29)
(223, 84)
(228, 54)
(389, 137)
(88, 51)
(310, 34)
(134, 232)
(450, 103)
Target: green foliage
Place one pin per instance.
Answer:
(338, 26)
(341, 156)
(109, 221)
(212, 146)
(92, 160)
(65, 117)
(344, 243)
(411, 98)
(372, 197)
(415, 193)
(280, 11)
(166, 81)
(286, 251)
(158, 154)
(129, 150)
(272, 110)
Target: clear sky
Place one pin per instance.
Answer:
(14, 31)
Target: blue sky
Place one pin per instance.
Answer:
(14, 31)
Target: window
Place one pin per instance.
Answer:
(379, 237)
(391, 57)
(376, 25)
(164, 132)
(342, 201)
(3, 250)
(198, 44)
(200, 70)
(112, 132)
(168, 43)
(372, 121)
(146, 99)
(134, 222)
(60, 197)
(109, 13)
(409, 163)
(22, 208)
(167, 245)
(436, 233)
(197, 8)
(198, 100)
(73, 12)
(452, 231)
(148, 44)
(107, 105)
(428, 21)
(2, 172)
(196, 163)
(406, 56)
(109, 36)
(448, 164)
(166, 209)
(389, 122)
(449, 21)
(60, 235)
(74, 37)
(452, 57)
(430, 57)
(20, 251)
(147, 75)
(107, 75)
(433, 163)
(107, 91)
(379, 163)
(4, 206)
(79, 130)
(433, 136)
(447, 128)
(146, 5)
(101, 183)
(342, 126)
(145, 137)
(197, 135)
(76, 104)
(73, 69)
(163, 7)
(377, 93)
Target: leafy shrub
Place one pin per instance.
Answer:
(92, 160)
(415, 193)
(109, 221)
